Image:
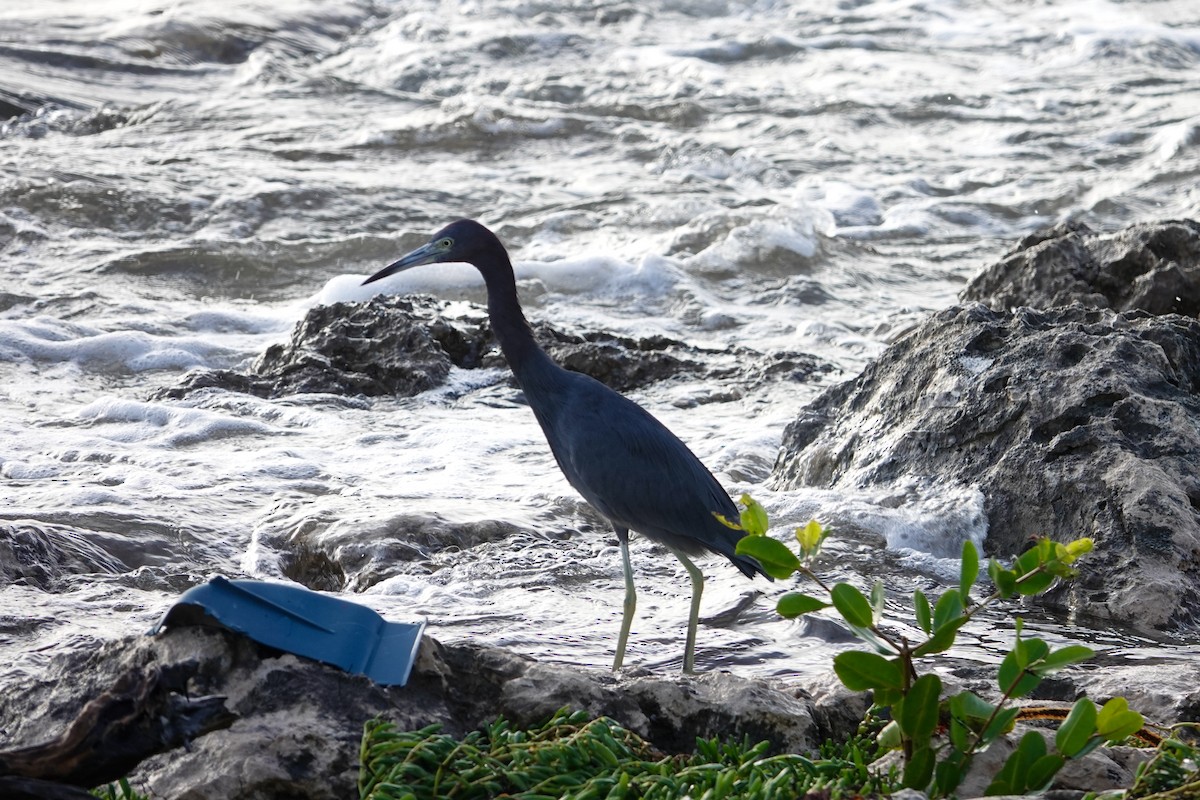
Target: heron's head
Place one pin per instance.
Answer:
(465, 240)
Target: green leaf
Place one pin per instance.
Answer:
(1001, 723)
(1110, 710)
(919, 769)
(773, 555)
(1012, 679)
(1012, 777)
(877, 602)
(1091, 745)
(793, 604)
(942, 639)
(921, 607)
(1028, 561)
(960, 735)
(860, 671)
(1036, 583)
(949, 606)
(1077, 549)
(949, 773)
(969, 570)
(1005, 580)
(1064, 656)
(889, 737)
(1116, 722)
(1039, 566)
(970, 706)
(754, 517)
(887, 697)
(810, 537)
(868, 636)
(851, 604)
(1040, 773)
(1032, 746)
(1079, 726)
(918, 712)
(1030, 652)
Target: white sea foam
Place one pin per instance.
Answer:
(129, 421)
(602, 279)
(47, 339)
(916, 516)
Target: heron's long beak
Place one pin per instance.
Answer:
(424, 254)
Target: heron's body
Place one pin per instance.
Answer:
(623, 461)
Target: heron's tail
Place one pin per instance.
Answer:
(749, 566)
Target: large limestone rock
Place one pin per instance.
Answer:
(1071, 422)
(299, 722)
(1154, 267)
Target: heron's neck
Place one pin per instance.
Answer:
(528, 361)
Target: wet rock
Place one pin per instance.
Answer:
(312, 567)
(401, 346)
(389, 346)
(40, 554)
(333, 555)
(1165, 691)
(299, 722)
(620, 362)
(1154, 267)
(1071, 422)
(145, 712)
(758, 368)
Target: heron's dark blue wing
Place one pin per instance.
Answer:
(637, 473)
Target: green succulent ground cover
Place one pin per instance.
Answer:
(577, 758)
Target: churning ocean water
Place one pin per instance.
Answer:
(182, 180)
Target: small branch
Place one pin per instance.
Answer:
(818, 581)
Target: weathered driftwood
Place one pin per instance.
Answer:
(144, 713)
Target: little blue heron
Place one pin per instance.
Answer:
(623, 461)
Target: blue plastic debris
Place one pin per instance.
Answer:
(297, 620)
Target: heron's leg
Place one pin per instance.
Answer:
(630, 597)
(689, 650)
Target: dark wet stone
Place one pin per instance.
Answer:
(401, 346)
(1154, 267)
(40, 554)
(300, 722)
(755, 368)
(313, 568)
(621, 363)
(376, 348)
(398, 346)
(322, 557)
(225, 379)
(1071, 422)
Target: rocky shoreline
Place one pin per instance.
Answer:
(1066, 391)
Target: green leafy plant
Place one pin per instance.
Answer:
(934, 763)
(1172, 772)
(575, 757)
(121, 790)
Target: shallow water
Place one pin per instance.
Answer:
(789, 177)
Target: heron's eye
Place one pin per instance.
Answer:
(446, 243)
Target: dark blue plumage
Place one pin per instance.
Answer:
(622, 460)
